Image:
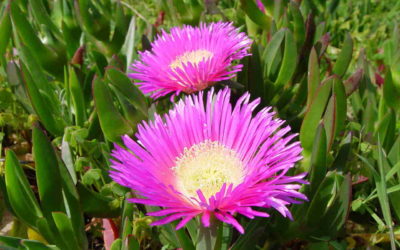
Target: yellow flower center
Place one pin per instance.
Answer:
(207, 166)
(193, 57)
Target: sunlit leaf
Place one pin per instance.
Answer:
(19, 192)
(344, 58)
(111, 121)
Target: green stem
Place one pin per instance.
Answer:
(208, 236)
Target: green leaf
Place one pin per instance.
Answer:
(395, 69)
(289, 61)
(95, 204)
(54, 192)
(333, 6)
(393, 192)
(192, 227)
(255, 14)
(71, 36)
(338, 210)
(395, 169)
(128, 49)
(320, 201)
(335, 114)
(14, 243)
(50, 234)
(129, 112)
(127, 214)
(74, 210)
(184, 239)
(3, 192)
(120, 20)
(168, 235)
(116, 245)
(66, 156)
(344, 58)
(298, 23)
(386, 129)
(390, 92)
(26, 32)
(269, 5)
(272, 50)
(322, 245)
(40, 105)
(91, 176)
(21, 196)
(319, 32)
(253, 231)
(14, 78)
(318, 162)
(313, 114)
(66, 230)
(47, 174)
(344, 154)
(255, 82)
(389, 49)
(77, 97)
(120, 81)
(146, 44)
(251, 27)
(92, 21)
(10, 241)
(394, 153)
(330, 204)
(382, 194)
(36, 245)
(133, 243)
(180, 6)
(313, 76)
(5, 30)
(47, 57)
(111, 121)
(94, 130)
(43, 18)
(36, 70)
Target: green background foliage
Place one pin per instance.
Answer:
(331, 69)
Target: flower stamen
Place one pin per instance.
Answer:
(194, 57)
(207, 166)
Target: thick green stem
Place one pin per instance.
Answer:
(208, 236)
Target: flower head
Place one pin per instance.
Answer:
(211, 159)
(190, 59)
(260, 5)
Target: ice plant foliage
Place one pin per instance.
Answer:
(211, 159)
(190, 59)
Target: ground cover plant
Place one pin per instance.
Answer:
(190, 124)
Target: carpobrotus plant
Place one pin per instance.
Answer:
(190, 59)
(211, 159)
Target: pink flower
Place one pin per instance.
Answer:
(260, 5)
(190, 59)
(211, 159)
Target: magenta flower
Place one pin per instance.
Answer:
(260, 5)
(190, 59)
(211, 159)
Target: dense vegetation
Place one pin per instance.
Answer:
(331, 69)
